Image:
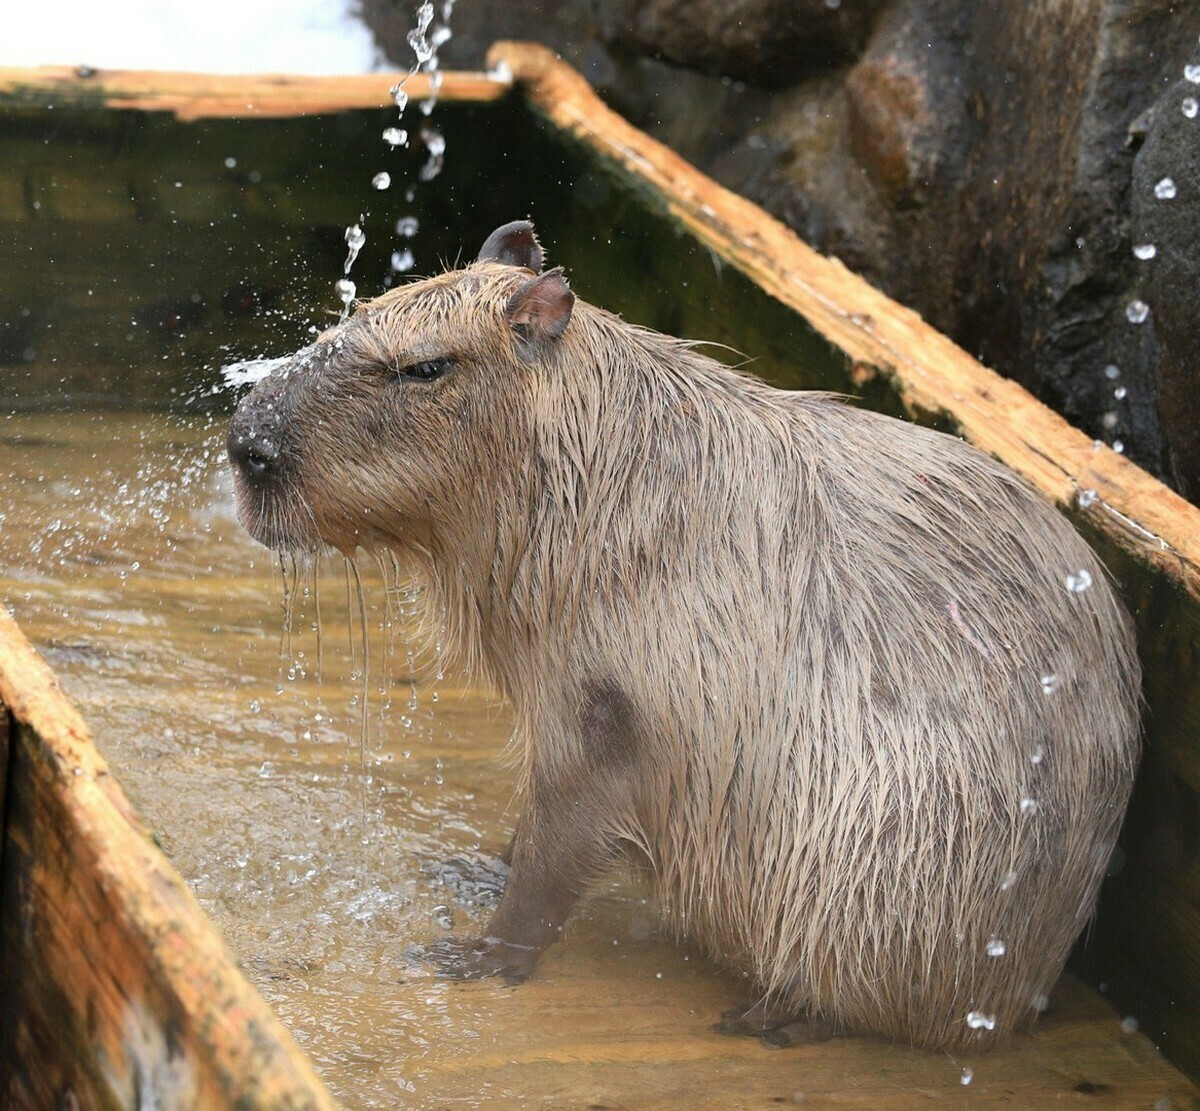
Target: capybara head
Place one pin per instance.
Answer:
(392, 420)
(863, 705)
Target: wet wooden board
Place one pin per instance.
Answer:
(117, 990)
(193, 96)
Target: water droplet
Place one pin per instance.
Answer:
(977, 1020)
(255, 706)
(1164, 189)
(1037, 755)
(1040, 1003)
(1144, 251)
(399, 96)
(1192, 73)
(355, 238)
(1087, 498)
(1109, 420)
(1120, 392)
(996, 947)
(1190, 107)
(1119, 446)
(1007, 880)
(1028, 807)
(407, 226)
(968, 1074)
(230, 163)
(382, 180)
(1078, 581)
(345, 289)
(1129, 1024)
(1137, 311)
(402, 261)
(395, 136)
(1050, 683)
(1112, 372)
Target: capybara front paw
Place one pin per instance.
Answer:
(473, 958)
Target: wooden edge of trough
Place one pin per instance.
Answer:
(95, 897)
(930, 373)
(193, 96)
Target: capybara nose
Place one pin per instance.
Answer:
(254, 451)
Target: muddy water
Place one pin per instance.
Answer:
(244, 751)
(324, 858)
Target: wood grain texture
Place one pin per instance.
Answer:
(117, 990)
(193, 96)
(930, 373)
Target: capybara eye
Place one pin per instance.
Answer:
(427, 370)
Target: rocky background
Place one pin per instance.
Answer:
(1026, 176)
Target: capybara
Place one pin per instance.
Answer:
(863, 705)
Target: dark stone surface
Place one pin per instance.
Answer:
(974, 160)
(1166, 215)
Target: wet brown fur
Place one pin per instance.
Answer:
(788, 649)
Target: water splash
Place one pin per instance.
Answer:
(1078, 581)
(1137, 311)
(978, 1020)
(1165, 189)
(356, 239)
(346, 290)
(248, 371)
(435, 146)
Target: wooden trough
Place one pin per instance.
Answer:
(117, 990)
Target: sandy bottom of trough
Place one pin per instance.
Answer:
(318, 843)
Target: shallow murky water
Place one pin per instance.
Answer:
(243, 749)
(324, 859)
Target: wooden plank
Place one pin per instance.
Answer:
(118, 991)
(193, 96)
(931, 374)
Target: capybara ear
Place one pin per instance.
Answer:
(514, 244)
(541, 308)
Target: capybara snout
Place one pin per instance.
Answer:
(863, 705)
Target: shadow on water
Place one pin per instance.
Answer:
(149, 253)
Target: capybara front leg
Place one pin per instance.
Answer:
(560, 845)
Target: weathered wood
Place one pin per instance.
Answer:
(117, 991)
(931, 374)
(193, 96)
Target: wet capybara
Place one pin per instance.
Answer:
(863, 705)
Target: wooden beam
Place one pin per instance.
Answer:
(931, 374)
(193, 96)
(117, 989)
